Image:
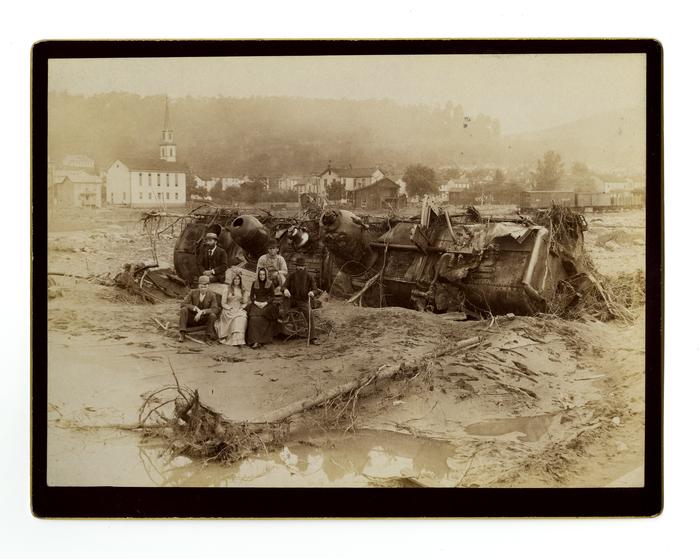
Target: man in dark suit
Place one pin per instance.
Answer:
(299, 288)
(199, 308)
(212, 259)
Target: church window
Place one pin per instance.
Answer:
(167, 179)
(140, 179)
(149, 179)
(158, 179)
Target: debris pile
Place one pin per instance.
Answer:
(145, 282)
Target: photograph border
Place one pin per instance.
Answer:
(133, 502)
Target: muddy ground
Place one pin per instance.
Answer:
(541, 401)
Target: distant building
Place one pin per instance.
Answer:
(352, 179)
(76, 189)
(379, 195)
(146, 183)
(226, 182)
(78, 162)
(398, 179)
(356, 179)
(149, 182)
(291, 182)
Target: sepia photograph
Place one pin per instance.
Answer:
(338, 268)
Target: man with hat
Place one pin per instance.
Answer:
(212, 260)
(274, 263)
(199, 308)
(300, 288)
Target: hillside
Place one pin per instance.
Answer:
(277, 135)
(604, 141)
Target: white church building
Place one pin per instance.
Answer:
(149, 182)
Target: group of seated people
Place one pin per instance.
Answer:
(246, 318)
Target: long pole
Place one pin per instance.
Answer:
(308, 335)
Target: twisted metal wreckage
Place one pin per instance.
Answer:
(436, 261)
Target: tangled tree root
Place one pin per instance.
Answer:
(196, 431)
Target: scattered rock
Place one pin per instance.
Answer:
(616, 420)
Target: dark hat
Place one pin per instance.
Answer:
(211, 236)
(300, 261)
(273, 244)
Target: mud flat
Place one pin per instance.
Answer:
(540, 401)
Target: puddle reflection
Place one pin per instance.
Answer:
(533, 428)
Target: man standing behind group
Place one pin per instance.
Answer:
(300, 287)
(274, 263)
(200, 308)
(212, 260)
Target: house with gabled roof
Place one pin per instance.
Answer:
(351, 178)
(379, 195)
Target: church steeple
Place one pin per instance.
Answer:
(167, 143)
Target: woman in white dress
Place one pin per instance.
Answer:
(232, 322)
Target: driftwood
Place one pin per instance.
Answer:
(384, 372)
(90, 278)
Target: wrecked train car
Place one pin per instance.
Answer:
(462, 262)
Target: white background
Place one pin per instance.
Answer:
(674, 532)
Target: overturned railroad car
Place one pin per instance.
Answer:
(460, 262)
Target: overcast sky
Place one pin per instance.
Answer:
(526, 92)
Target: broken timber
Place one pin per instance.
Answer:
(384, 372)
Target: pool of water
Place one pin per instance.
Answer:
(314, 459)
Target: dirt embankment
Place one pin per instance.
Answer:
(540, 402)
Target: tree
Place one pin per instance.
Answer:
(198, 191)
(217, 191)
(449, 174)
(420, 180)
(231, 194)
(498, 179)
(252, 191)
(549, 172)
(335, 190)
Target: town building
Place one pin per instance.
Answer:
(208, 183)
(356, 179)
(292, 183)
(75, 189)
(149, 182)
(351, 179)
(380, 195)
(78, 162)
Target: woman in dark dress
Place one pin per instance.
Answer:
(262, 316)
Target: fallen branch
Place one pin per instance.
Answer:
(383, 373)
(370, 282)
